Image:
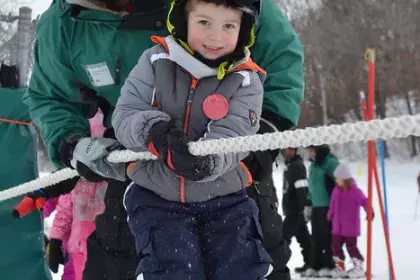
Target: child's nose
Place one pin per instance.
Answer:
(215, 35)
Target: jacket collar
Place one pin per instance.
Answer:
(295, 158)
(181, 57)
(194, 66)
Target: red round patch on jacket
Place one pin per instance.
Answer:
(215, 107)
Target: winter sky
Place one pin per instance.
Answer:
(37, 6)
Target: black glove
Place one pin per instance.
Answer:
(87, 173)
(46, 242)
(184, 164)
(54, 254)
(63, 187)
(157, 140)
(91, 101)
(373, 215)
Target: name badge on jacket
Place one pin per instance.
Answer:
(99, 74)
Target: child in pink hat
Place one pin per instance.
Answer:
(344, 213)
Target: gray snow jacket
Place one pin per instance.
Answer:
(168, 82)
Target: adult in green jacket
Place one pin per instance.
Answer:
(21, 241)
(321, 184)
(95, 44)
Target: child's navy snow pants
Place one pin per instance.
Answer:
(219, 239)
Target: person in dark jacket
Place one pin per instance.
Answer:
(295, 198)
(321, 184)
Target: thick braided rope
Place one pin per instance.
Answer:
(45, 181)
(398, 127)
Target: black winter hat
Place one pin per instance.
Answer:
(321, 152)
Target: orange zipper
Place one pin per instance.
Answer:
(193, 86)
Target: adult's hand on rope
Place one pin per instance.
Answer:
(88, 156)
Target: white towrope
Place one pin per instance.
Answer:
(398, 127)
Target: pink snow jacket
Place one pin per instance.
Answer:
(344, 211)
(76, 211)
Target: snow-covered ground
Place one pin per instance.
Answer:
(404, 230)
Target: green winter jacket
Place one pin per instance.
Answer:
(319, 174)
(91, 48)
(21, 241)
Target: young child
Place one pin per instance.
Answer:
(344, 213)
(190, 215)
(75, 217)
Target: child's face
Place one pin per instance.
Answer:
(340, 182)
(213, 30)
(312, 154)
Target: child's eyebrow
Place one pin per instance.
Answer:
(203, 16)
(207, 17)
(233, 21)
